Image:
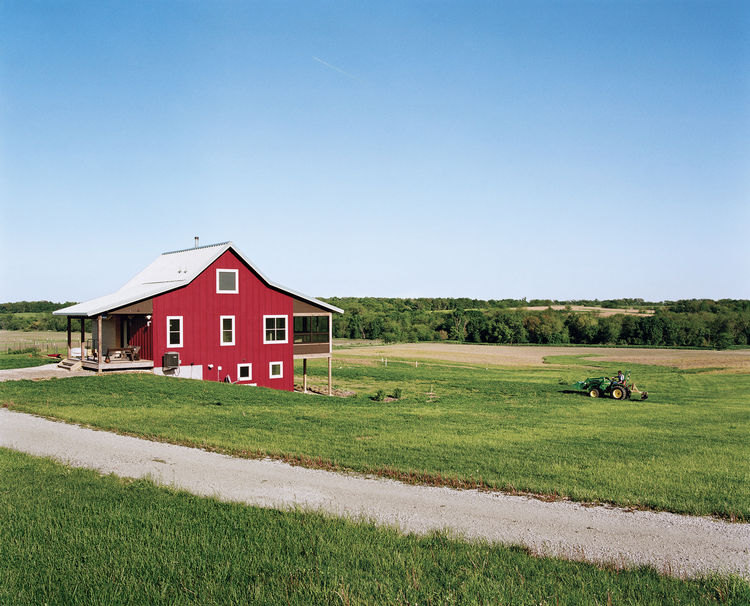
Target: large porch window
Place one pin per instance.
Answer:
(311, 329)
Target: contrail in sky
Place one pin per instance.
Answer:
(338, 69)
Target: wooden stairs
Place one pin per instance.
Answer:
(70, 364)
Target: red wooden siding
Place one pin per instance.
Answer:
(139, 333)
(201, 308)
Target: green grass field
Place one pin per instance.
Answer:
(70, 536)
(24, 360)
(686, 449)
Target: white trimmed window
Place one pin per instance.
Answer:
(174, 331)
(227, 281)
(244, 372)
(274, 329)
(275, 370)
(226, 330)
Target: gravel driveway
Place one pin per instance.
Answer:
(45, 371)
(673, 544)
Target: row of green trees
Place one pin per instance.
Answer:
(386, 304)
(695, 322)
(19, 307)
(719, 325)
(32, 321)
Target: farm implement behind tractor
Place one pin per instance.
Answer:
(619, 389)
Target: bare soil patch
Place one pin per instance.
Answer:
(532, 355)
(322, 390)
(601, 311)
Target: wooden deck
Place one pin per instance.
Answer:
(119, 365)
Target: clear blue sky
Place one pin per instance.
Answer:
(482, 149)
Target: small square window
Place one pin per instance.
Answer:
(227, 281)
(244, 372)
(276, 370)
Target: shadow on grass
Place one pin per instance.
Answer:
(575, 392)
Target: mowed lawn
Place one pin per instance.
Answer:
(70, 536)
(24, 360)
(685, 449)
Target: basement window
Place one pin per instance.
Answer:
(274, 329)
(276, 370)
(244, 372)
(227, 281)
(174, 331)
(227, 330)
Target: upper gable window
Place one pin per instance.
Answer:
(227, 281)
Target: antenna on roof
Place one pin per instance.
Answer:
(197, 239)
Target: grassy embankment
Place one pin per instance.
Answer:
(685, 449)
(73, 537)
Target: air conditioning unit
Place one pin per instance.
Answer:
(170, 361)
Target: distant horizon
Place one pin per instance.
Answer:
(540, 300)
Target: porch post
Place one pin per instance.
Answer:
(330, 351)
(99, 344)
(304, 375)
(70, 339)
(83, 339)
(330, 334)
(330, 392)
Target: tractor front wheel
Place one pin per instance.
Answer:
(594, 393)
(618, 392)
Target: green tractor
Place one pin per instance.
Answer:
(614, 387)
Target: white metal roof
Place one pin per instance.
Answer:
(173, 270)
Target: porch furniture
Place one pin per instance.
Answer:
(131, 353)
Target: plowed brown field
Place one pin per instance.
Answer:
(520, 355)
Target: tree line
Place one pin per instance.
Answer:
(694, 323)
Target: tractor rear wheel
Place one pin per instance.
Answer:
(594, 393)
(618, 392)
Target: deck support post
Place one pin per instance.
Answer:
(83, 339)
(304, 375)
(99, 344)
(70, 339)
(330, 391)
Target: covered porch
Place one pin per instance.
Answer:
(313, 338)
(121, 340)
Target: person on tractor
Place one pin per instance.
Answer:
(620, 377)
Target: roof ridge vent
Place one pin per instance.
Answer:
(172, 252)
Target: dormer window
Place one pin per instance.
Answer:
(227, 281)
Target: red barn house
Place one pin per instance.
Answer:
(204, 313)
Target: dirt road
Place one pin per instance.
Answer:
(673, 544)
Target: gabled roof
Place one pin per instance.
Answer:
(174, 270)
